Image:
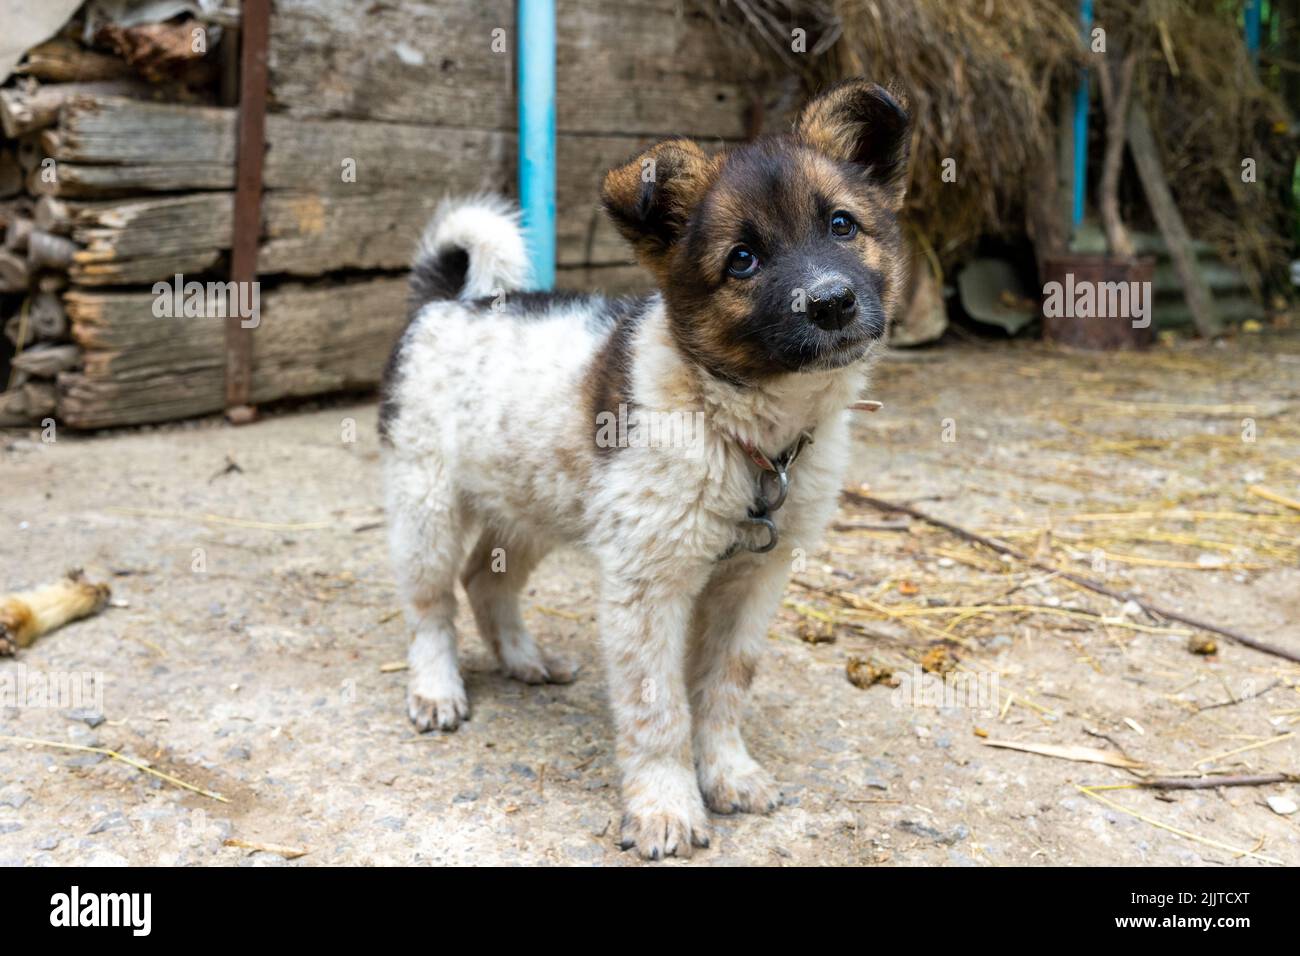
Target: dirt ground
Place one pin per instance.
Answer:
(255, 646)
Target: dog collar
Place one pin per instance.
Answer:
(772, 486)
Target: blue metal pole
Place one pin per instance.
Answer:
(536, 45)
(1081, 121)
(1252, 30)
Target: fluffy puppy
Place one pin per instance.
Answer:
(658, 433)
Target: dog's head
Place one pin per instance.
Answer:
(780, 255)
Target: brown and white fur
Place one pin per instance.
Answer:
(492, 405)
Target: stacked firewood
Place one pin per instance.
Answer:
(41, 248)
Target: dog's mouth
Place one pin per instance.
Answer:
(839, 349)
(846, 350)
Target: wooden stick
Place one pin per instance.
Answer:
(1209, 783)
(62, 60)
(1239, 700)
(1079, 579)
(1142, 146)
(1116, 95)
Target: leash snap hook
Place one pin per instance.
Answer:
(765, 522)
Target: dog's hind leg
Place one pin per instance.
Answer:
(494, 574)
(426, 529)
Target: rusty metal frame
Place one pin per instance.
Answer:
(254, 34)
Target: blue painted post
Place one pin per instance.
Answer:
(1252, 30)
(536, 44)
(1081, 120)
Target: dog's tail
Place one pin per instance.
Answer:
(473, 247)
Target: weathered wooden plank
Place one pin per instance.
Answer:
(627, 66)
(141, 368)
(311, 234)
(24, 110)
(79, 180)
(103, 129)
(144, 270)
(153, 226)
(142, 240)
(355, 156)
(324, 156)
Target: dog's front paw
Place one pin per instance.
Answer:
(667, 819)
(443, 711)
(542, 669)
(738, 785)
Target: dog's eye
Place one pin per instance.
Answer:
(843, 226)
(742, 263)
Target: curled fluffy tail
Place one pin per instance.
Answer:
(473, 247)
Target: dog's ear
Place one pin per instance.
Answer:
(650, 197)
(862, 123)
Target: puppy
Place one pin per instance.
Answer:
(693, 440)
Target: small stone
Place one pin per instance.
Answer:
(1283, 805)
(920, 829)
(956, 835)
(89, 717)
(111, 822)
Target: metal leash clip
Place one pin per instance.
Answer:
(771, 488)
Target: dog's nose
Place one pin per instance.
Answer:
(833, 309)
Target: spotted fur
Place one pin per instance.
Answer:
(498, 401)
